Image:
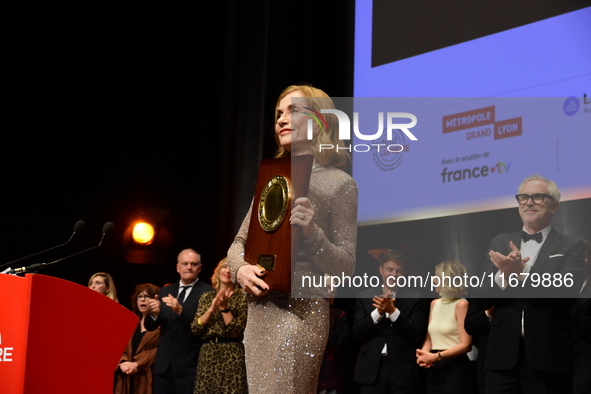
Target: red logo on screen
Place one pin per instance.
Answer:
(477, 118)
(469, 119)
(508, 128)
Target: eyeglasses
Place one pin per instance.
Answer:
(537, 198)
(144, 296)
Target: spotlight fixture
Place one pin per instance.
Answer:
(143, 233)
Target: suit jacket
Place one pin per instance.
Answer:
(403, 337)
(178, 347)
(476, 325)
(581, 314)
(545, 310)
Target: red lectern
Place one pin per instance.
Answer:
(59, 337)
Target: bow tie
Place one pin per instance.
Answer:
(536, 237)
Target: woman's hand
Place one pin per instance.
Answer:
(221, 300)
(128, 367)
(426, 359)
(224, 296)
(249, 276)
(215, 304)
(302, 215)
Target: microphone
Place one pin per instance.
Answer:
(78, 227)
(106, 228)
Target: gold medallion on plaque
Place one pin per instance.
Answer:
(273, 204)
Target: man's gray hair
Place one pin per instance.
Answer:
(552, 187)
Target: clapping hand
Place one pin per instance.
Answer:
(220, 301)
(173, 303)
(154, 305)
(510, 264)
(385, 303)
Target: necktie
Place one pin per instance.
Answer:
(536, 237)
(183, 294)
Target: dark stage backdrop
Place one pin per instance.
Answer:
(114, 110)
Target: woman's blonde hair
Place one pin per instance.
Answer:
(215, 278)
(111, 291)
(450, 290)
(317, 100)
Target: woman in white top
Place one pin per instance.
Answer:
(445, 347)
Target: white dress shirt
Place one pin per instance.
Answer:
(375, 315)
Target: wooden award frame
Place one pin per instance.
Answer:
(272, 241)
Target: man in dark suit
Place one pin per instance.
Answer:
(476, 325)
(535, 272)
(391, 322)
(581, 315)
(173, 310)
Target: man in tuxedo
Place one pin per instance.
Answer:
(391, 321)
(173, 311)
(530, 333)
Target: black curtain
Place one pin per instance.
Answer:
(117, 109)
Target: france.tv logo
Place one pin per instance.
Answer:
(571, 106)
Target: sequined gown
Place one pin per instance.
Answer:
(285, 337)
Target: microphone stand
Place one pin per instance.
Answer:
(108, 226)
(79, 226)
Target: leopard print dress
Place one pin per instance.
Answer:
(221, 368)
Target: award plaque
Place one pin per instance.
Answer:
(272, 242)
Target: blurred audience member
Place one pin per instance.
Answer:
(581, 314)
(391, 322)
(134, 374)
(333, 371)
(220, 321)
(103, 283)
(445, 347)
(173, 310)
